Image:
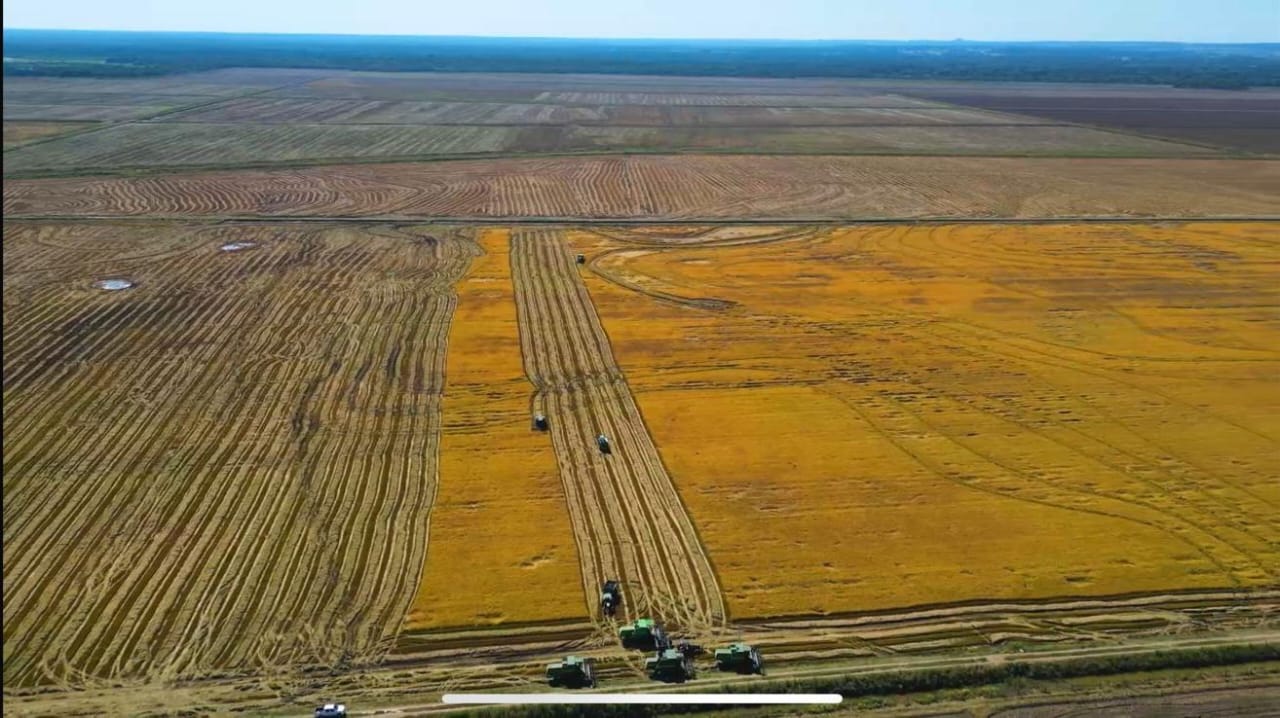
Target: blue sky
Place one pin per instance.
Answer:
(1175, 20)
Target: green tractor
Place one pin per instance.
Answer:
(645, 634)
(739, 658)
(572, 672)
(669, 666)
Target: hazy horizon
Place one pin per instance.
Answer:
(1179, 21)
(638, 39)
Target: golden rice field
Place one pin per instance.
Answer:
(867, 418)
(301, 445)
(502, 549)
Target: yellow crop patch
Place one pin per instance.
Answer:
(866, 418)
(501, 548)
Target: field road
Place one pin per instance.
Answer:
(926, 637)
(629, 522)
(516, 221)
(780, 679)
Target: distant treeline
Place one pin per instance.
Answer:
(84, 53)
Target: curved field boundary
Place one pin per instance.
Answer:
(607, 266)
(228, 468)
(628, 520)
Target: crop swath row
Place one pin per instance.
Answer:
(685, 187)
(725, 100)
(628, 520)
(228, 467)
(177, 144)
(258, 110)
(276, 109)
(151, 144)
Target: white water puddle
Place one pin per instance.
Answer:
(113, 285)
(237, 246)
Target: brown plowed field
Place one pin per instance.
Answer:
(628, 520)
(675, 187)
(1244, 120)
(228, 467)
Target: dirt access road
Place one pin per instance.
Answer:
(779, 679)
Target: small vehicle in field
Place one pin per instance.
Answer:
(690, 650)
(602, 442)
(669, 666)
(332, 710)
(739, 658)
(610, 597)
(572, 672)
(644, 633)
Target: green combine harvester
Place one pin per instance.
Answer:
(644, 633)
(739, 658)
(572, 672)
(670, 666)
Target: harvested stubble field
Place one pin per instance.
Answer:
(252, 118)
(685, 187)
(1246, 120)
(181, 144)
(868, 418)
(268, 109)
(1017, 139)
(93, 106)
(176, 144)
(72, 98)
(214, 83)
(530, 87)
(629, 523)
(731, 100)
(20, 133)
(227, 468)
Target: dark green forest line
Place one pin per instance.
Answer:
(122, 54)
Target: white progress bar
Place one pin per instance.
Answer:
(643, 698)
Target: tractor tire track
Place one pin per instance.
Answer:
(628, 519)
(210, 479)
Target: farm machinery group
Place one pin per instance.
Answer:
(672, 662)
